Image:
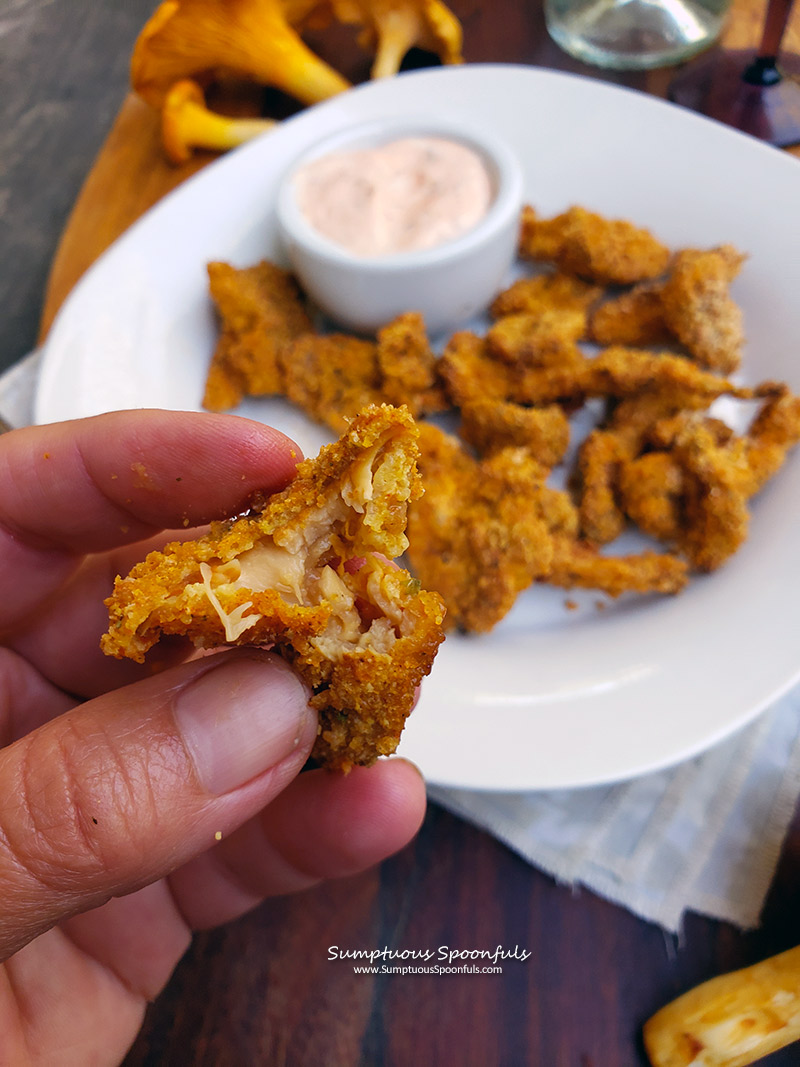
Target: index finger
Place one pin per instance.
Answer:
(76, 487)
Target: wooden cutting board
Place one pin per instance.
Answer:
(131, 173)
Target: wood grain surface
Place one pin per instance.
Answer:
(263, 990)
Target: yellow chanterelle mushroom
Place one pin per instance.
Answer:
(186, 124)
(392, 27)
(195, 38)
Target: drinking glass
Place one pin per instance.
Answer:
(634, 34)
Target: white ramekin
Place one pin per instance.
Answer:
(447, 283)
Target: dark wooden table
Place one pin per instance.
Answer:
(263, 991)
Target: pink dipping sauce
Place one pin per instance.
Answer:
(409, 194)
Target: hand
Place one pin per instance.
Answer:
(117, 780)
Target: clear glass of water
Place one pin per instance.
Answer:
(634, 34)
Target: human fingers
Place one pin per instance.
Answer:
(62, 638)
(322, 826)
(124, 789)
(27, 700)
(85, 486)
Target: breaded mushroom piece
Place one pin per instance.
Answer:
(597, 249)
(698, 307)
(651, 489)
(332, 377)
(692, 490)
(477, 536)
(534, 310)
(599, 459)
(408, 367)
(714, 503)
(491, 425)
(721, 474)
(635, 318)
(528, 337)
(471, 373)
(260, 310)
(577, 565)
(471, 370)
(544, 292)
(774, 430)
(621, 372)
(309, 574)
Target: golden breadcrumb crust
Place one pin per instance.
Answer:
(668, 332)
(260, 309)
(310, 574)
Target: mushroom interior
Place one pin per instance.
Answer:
(331, 558)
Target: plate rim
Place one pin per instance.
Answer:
(480, 71)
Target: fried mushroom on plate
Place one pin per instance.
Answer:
(597, 249)
(309, 574)
(651, 454)
(260, 309)
(691, 307)
(478, 535)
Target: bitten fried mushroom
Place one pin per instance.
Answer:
(310, 574)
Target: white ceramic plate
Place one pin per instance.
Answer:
(551, 697)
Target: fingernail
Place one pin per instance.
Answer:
(240, 718)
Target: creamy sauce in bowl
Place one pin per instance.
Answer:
(406, 195)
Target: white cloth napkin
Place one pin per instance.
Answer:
(704, 836)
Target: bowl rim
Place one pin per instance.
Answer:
(502, 163)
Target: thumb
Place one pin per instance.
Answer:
(127, 787)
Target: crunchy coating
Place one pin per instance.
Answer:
(471, 370)
(332, 377)
(477, 536)
(721, 474)
(634, 419)
(471, 373)
(774, 430)
(608, 463)
(408, 365)
(651, 489)
(698, 308)
(260, 310)
(544, 292)
(601, 250)
(490, 425)
(601, 516)
(692, 490)
(530, 337)
(619, 371)
(310, 574)
(535, 311)
(635, 318)
(715, 512)
(578, 565)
